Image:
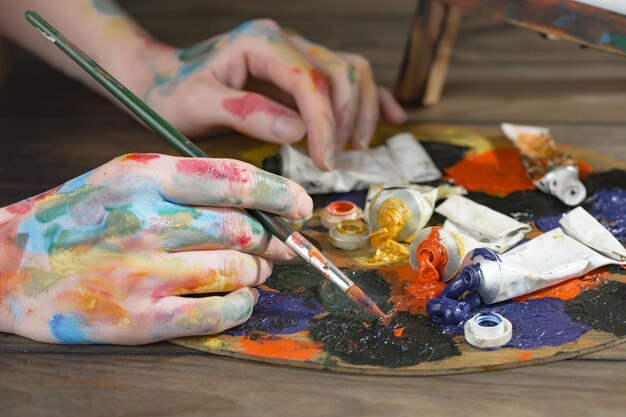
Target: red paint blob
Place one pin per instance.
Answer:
(22, 207)
(320, 82)
(249, 104)
(245, 241)
(432, 257)
(213, 169)
(143, 158)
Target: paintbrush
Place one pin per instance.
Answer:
(275, 224)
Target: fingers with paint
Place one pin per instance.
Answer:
(108, 257)
(200, 87)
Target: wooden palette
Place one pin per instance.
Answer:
(300, 350)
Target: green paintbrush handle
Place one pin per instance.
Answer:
(273, 223)
(176, 139)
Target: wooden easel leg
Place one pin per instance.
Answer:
(433, 33)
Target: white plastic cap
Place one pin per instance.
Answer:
(566, 186)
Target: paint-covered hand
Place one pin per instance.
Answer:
(202, 87)
(108, 257)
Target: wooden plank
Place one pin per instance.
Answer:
(427, 27)
(564, 19)
(95, 385)
(441, 60)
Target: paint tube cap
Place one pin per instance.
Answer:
(350, 235)
(488, 331)
(566, 186)
(338, 211)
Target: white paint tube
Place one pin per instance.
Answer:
(551, 170)
(546, 260)
(401, 159)
(481, 226)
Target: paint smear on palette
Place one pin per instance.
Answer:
(279, 313)
(406, 340)
(410, 291)
(280, 348)
(602, 308)
(524, 206)
(250, 104)
(498, 171)
(369, 281)
(571, 288)
(545, 224)
(608, 206)
(536, 323)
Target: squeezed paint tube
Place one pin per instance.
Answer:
(401, 159)
(444, 251)
(551, 170)
(480, 225)
(469, 226)
(551, 258)
(420, 204)
(396, 214)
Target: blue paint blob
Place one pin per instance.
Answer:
(70, 329)
(545, 224)
(609, 207)
(486, 254)
(536, 323)
(279, 313)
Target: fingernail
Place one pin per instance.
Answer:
(305, 205)
(329, 158)
(289, 128)
(363, 138)
(255, 295)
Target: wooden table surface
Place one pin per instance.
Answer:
(52, 129)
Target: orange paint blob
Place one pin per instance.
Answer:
(410, 291)
(398, 332)
(497, 171)
(273, 347)
(569, 289)
(432, 256)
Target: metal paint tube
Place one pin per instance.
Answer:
(481, 226)
(455, 246)
(420, 204)
(401, 159)
(552, 171)
(546, 260)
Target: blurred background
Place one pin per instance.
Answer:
(498, 73)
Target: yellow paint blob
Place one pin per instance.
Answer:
(393, 214)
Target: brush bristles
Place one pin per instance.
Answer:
(362, 300)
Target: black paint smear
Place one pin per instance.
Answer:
(295, 279)
(522, 205)
(601, 307)
(376, 344)
(615, 178)
(617, 270)
(444, 155)
(369, 281)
